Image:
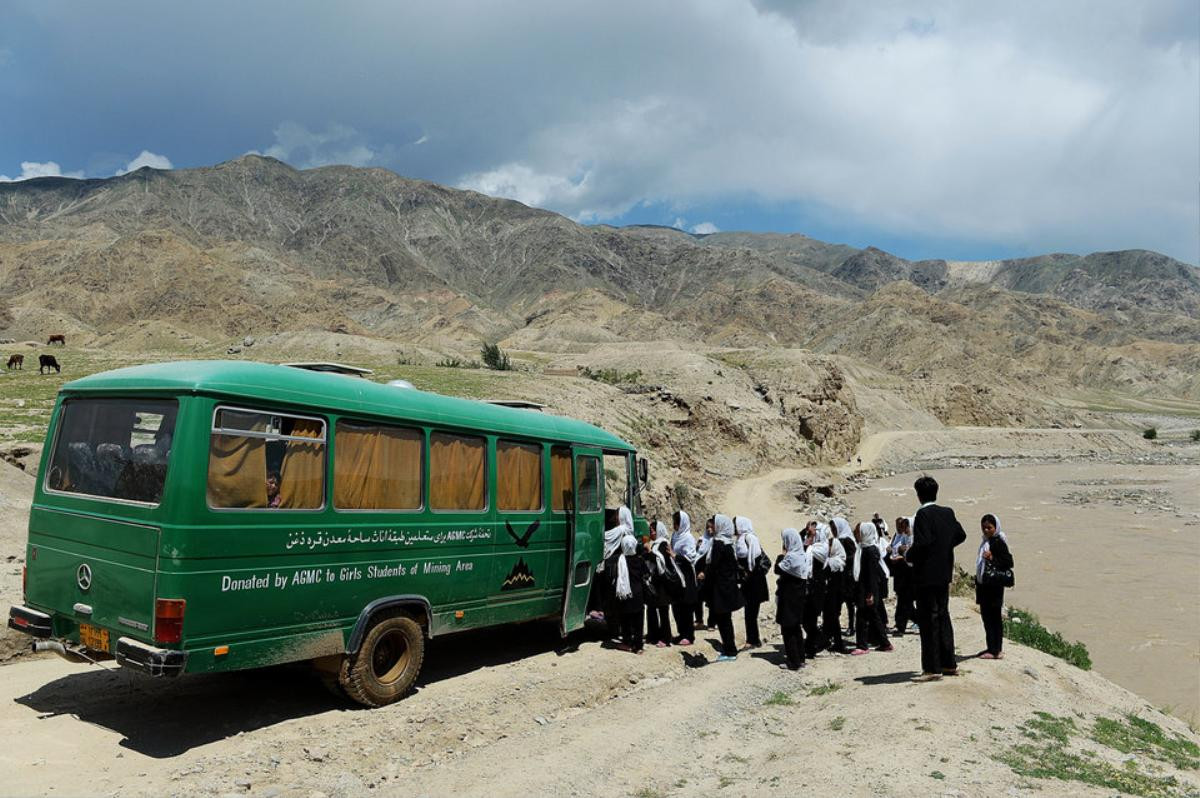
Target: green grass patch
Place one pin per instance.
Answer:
(937, 774)
(825, 689)
(1044, 726)
(1134, 735)
(779, 699)
(1054, 761)
(1025, 628)
(837, 723)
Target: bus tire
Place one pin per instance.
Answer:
(386, 665)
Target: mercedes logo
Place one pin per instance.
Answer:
(84, 576)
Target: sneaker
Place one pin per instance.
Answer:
(726, 658)
(858, 652)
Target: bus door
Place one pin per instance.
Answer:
(585, 535)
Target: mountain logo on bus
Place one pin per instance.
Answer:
(519, 578)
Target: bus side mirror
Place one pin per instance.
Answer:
(643, 469)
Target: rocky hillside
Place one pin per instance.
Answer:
(253, 245)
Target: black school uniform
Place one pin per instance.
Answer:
(666, 585)
(754, 593)
(814, 604)
(990, 598)
(870, 583)
(725, 597)
(703, 590)
(683, 605)
(849, 585)
(630, 609)
(790, 599)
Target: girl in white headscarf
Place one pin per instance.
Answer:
(668, 584)
(906, 608)
(835, 588)
(993, 548)
(683, 546)
(720, 575)
(606, 611)
(754, 581)
(869, 574)
(630, 573)
(704, 588)
(845, 535)
(793, 569)
(816, 545)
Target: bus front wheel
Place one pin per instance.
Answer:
(386, 664)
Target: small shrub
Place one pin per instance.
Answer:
(1196, 435)
(1024, 628)
(494, 357)
(837, 723)
(779, 699)
(1150, 433)
(611, 376)
(825, 689)
(449, 363)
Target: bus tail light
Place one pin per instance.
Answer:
(168, 620)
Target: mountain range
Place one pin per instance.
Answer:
(255, 246)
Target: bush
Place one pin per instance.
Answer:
(611, 376)
(449, 363)
(1150, 433)
(1024, 628)
(494, 357)
(1196, 435)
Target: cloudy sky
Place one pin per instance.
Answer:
(931, 129)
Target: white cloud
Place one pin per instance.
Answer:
(32, 169)
(305, 149)
(705, 228)
(146, 158)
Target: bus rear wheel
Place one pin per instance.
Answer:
(387, 663)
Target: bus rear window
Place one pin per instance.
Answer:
(113, 448)
(265, 460)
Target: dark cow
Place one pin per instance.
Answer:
(48, 362)
(16, 361)
(57, 338)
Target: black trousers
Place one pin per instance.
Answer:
(848, 597)
(881, 611)
(752, 636)
(724, 622)
(905, 608)
(993, 627)
(813, 641)
(683, 620)
(870, 630)
(631, 630)
(658, 624)
(699, 610)
(831, 621)
(937, 633)
(793, 645)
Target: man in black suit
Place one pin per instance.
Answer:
(935, 534)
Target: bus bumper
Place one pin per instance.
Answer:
(149, 660)
(31, 622)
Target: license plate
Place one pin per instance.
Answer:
(93, 637)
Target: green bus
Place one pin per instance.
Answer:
(206, 516)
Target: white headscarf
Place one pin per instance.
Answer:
(796, 561)
(867, 537)
(748, 547)
(983, 546)
(722, 531)
(705, 544)
(842, 527)
(661, 535)
(628, 549)
(682, 542)
(836, 561)
(612, 537)
(820, 546)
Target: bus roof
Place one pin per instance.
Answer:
(303, 388)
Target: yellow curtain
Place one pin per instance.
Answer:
(560, 479)
(518, 476)
(457, 472)
(302, 475)
(376, 468)
(237, 471)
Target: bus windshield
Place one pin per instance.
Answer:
(113, 448)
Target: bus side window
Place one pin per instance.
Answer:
(457, 472)
(562, 498)
(518, 476)
(589, 484)
(377, 467)
(266, 460)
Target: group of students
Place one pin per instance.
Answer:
(822, 568)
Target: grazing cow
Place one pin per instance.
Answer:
(57, 338)
(16, 361)
(48, 362)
